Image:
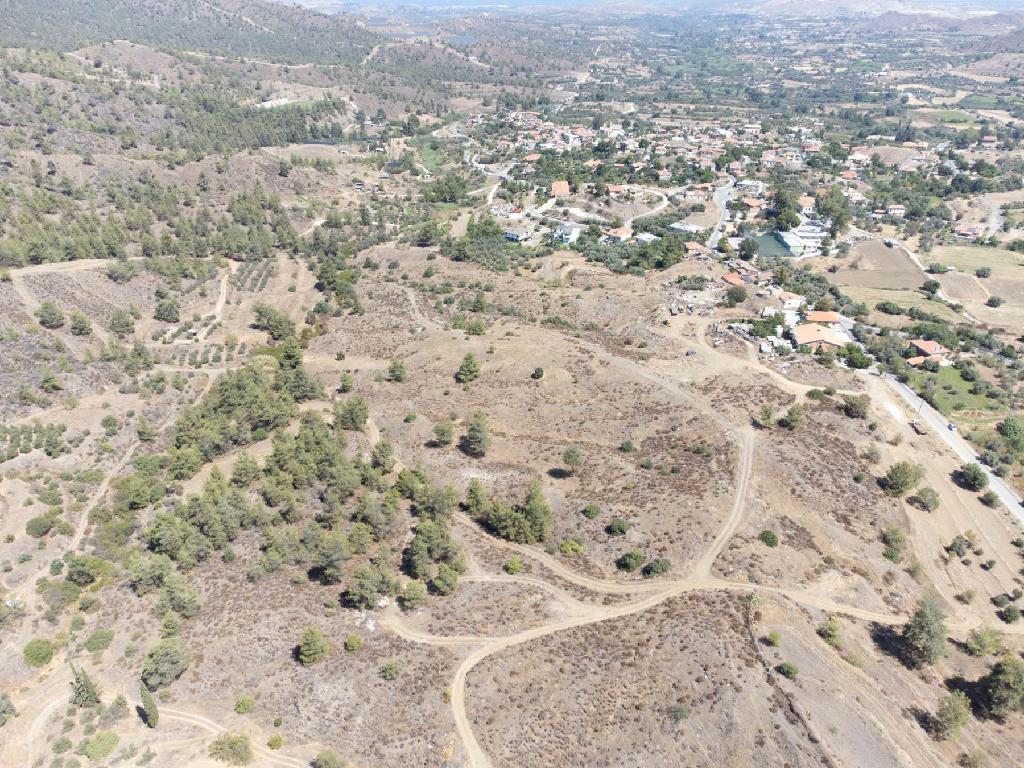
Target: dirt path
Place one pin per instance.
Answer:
(222, 299)
(420, 317)
(703, 567)
(20, 752)
(582, 614)
(587, 614)
(605, 586)
(266, 756)
(654, 211)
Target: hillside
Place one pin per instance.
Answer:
(247, 28)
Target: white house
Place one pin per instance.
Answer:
(568, 232)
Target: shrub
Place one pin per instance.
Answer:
(166, 311)
(39, 526)
(245, 704)
(769, 538)
(735, 295)
(164, 663)
(927, 498)
(1010, 614)
(832, 632)
(80, 325)
(983, 642)
(1002, 689)
(794, 418)
(397, 372)
(327, 759)
(101, 745)
(276, 741)
(513, 566)
(353, 643)
(591, 511)
(617, 527)
(972, 477)
(787, 669)
(677, 713)
(657, 567)
(38, 652)
(7, 710)
(99, 640)
(231, 748)
(389, 670)
(901, 477)
(49, 315)
(630, 561)
(571, 548)
(773, 639)
(856, 406)
(952, 715)
(444, 432)
(895, 540)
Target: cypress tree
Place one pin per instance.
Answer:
(150, 714)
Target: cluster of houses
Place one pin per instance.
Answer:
(801, 327)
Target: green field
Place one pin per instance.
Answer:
(951, 116)
(432, 159)
(905, 298)
(967, 258)
(952, 396)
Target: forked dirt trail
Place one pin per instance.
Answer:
(579, 613)
(582, 613)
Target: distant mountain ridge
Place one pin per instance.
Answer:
(249, 28)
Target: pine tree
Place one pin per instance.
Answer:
(477, 439)
(469, 370)
(537, 512)
(924, 636)
(313, 647)
(1002, 689)
(150, 714)
(84, 692)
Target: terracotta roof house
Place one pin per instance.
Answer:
(927, 347)
(817, 337)
(817, 316)
(620, 234)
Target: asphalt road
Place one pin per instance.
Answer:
(721, 197)
(963, 450)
